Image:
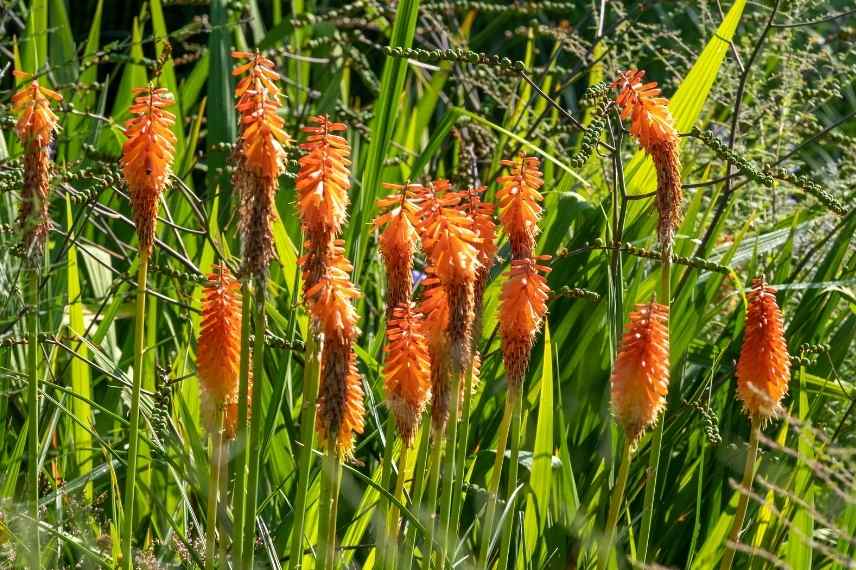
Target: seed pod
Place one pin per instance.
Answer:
(640, 376)
(763, 369)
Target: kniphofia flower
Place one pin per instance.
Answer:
(259, 156)
(521, 314)
(763, 369)
(218, 353)
(406, 372)
(398, 221)
(481, 214)
(147, 157)
(35, 127)
(652, 124)
(519, 204)
(340, 397)
(434, 307)
(640, 376)
(452, 249)
(322, 191)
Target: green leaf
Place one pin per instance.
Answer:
(540, 480)
(221, 112)
(383, 126)
(80, 380)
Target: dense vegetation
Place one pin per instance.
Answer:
(160, 376)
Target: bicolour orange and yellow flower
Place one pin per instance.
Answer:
(398, 223)
(519, 204)
(218, 352)
(147, 157)
(407, 369)
(652, 124)
(640, 376)
(763, 369)
(35, 127)
(523, 305)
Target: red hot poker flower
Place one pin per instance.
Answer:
(435, 309)
(407, 375)
(640, 377)
(653, 126)
(147, 157)
(399, 220)
(521, 313)
(519, 208)
(763, 369)
(259, 100)
(35, 127)
(218, 353)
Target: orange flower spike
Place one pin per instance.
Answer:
(32, 104)
(763, 369)
(523, 305)
(398, 238)
(519, 208)
(36, 126)
(218, 353)
(263, 137)
(147, 157)
(407, 374)
(652, 124)
(323, 180)
(330, 300)
(435, 309)
(640, 376)
(340, 397)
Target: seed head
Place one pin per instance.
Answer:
(763, 369)
(147, 157)
(640, 376)
(519, 208)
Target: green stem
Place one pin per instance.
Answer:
(446, 526)
(417, 491)
(311, 379)
(240, 496)
(385, 477)
(745, 486)
(657, 436)
(392, 522)
(461, 453)
(328, 506)
(614, 508)
(431, 503)
(512, 478)
(254, 447)
(33, 416)
(493, 487)
(134, 420)
(215, 441)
